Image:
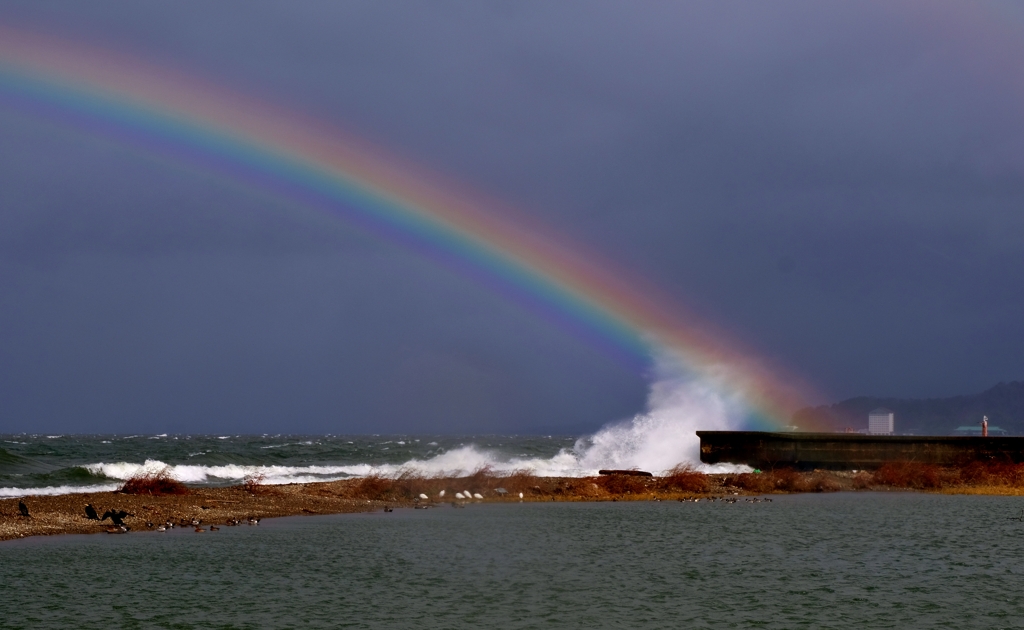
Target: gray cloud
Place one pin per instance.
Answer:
(837, 185)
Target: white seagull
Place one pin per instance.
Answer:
(458, 495)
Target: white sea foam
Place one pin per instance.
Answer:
(228, 473)
(55, 490)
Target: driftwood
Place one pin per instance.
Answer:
(632, 473)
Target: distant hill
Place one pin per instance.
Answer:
(1003, 404)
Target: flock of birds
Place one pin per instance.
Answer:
(119, 527)
(461, 498)
(727, 499)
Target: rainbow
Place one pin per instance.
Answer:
(308, 162)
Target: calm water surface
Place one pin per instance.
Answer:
(808, 561)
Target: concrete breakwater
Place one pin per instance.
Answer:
(852, 451)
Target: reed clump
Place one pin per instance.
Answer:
(993, 474)
(911, 475)
(255, 483)
(683, 478)
(153, 483)
(623, 484)
(376, 487)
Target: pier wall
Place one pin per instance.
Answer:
(851, 451)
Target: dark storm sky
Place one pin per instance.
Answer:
(838, 185)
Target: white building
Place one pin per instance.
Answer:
(881, 422)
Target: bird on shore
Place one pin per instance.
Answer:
(90, 512)
(23, 509)
(478, 496)
(423, 496)
(458, 495)
(441, 494)
(116, 517)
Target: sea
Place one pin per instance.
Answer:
(42, 464)
(843, 560)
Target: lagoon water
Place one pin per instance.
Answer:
(864, 560)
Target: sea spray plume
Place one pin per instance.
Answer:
(679, 404)
(665, 435)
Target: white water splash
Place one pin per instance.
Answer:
(50, 491)
(230, 473)
(665, 435)
(659, 439)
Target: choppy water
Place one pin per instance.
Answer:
(815, 561)
(43, 464)
(58, 464)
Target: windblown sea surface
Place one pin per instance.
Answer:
(62, 464)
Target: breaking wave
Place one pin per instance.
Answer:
(55, 490)
(231, 473)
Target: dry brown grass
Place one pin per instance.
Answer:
(159, 483)
(816, 482)
(931, 477)
(863, 480)
(683, 478)
(993, 474)
(407, 486)
(909, 475)
(624, 484)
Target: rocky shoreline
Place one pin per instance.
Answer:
(65, 514)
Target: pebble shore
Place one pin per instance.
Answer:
(65, 514)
